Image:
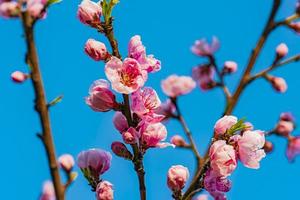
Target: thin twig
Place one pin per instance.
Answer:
(41, 104)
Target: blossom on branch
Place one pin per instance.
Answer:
(175, 86)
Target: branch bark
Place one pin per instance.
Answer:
(41, 104)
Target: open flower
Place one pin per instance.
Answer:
(104, 191)
(222, 158)
(9, 9)
(203, 48)
(137, 51)
(152, 134)
(175, 85)
(250, 148)
(293, 148)
(177, 177)
(145, 101)
(126, 77)
(204, 75)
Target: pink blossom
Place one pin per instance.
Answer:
(177, 177)
(152, 134)
(268, 147)
(96, 50)
(278, 84)
(204, 75)
(203, 48)
(9, 9)
(36, 8)
(95, 160)
(137, 51)
(104, 191)
(101, 99)
(89, 12)
(48, 192)
(250, 148)
(230, 67)
(144, 101)
(120, 122)
(287, 116)
(224, 124)
(175, 85)
(282, 50)
(295, 26)
(284, 128)
(121, 150)
(201, 197)
(130, 136)
(167, 109)
(178, 141)
(293, 148)
(19, 77)
(126, 77)
(222, 158)
(66, 161)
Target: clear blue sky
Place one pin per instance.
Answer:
(168, 28)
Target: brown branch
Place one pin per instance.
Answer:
(41, 104)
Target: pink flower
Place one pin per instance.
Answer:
(287, 116)
(120, 122)
(121, 150)
(48, 192)
(278, 84)
(224, 124)
(250, 148)
(268, 147)
(178, 141)
(203, 48)
(216, 185)
(94, 161)
(130, 136)
(293, 148)
(175, 85)
(101, 99)
(204, 75)
(144, 101)
(89, 12)
(284, 128)
(152, 134)
(201, 197)
(230, 67)
(282, 50)
(177, 177)
(166, 109)
(96, 50)
(137, 51)
(222, 158)
(126, 77)
(295, 26)
(66, 161)
(9, 9)
(19, 77)
(104, 191)
(36, 8)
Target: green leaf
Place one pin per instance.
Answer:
(237, 127)
(73, 176)
(51, 2)
(55, 101)
(115, 2)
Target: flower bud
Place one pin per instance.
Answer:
(36, 8)
(284, 128)
(293, 148)
(89, 12)
(230, 67)
(101, 98)
(9, 9)
(48, 192)
(130, 136)
(287, 116)
(178, 141)
(96, 50)
(268, 147)
(66, 161)
(278, 83)
(121, 150)
(177, 177)
(104, 191)
(152, 134)
(281, 50)
(224, 124)
(295, 26)
(120, 122)
(19, 77)
(201, 197)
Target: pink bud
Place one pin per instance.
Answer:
(19, 77)
(293, 148)
(120, 122)
(201, 197)
(121, 150)
(204, 75)
(96, 50)
(152, 134)
(36, 8)
(130, 136)
(284, 128)
(48, 192)
(295, 26)
(178, 141)
(278, 84)
(66, 161)
(104, 191)
(287, 116)
(89, 12)
(282, 50)
(177, 177)
(101, 99)
(268, 147)
(230, 67)
(9, 9)
(203, 48)
(224, 124)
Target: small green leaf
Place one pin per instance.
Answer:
(51, 2)
(73, 176)
(55, 101)
(115, 2)
(236, 127)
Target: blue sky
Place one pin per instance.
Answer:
(168, 30)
